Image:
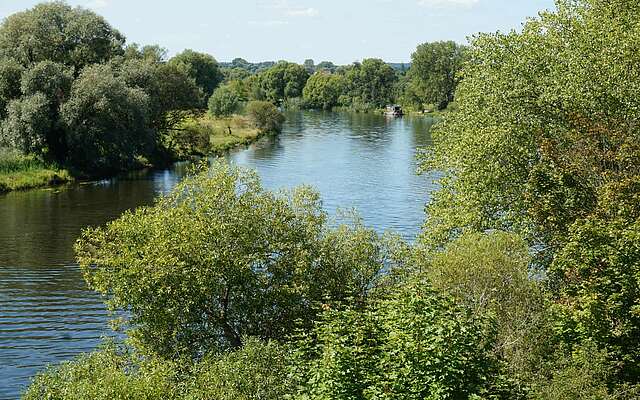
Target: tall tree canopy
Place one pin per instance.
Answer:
(433, 73)
(369, 85)
(201, 67)
(283, 81)
(60, 33)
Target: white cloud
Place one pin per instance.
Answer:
(448, 3)
(268, 23)
(302, 12)
(98, 4)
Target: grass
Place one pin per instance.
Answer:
(206, 135)
(18, 172)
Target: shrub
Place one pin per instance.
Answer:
(110, 373)
(415, 345)
(265, 116)
(223, 102)
(220, 258)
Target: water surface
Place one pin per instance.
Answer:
(47, 315)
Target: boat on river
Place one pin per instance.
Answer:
(394, 111)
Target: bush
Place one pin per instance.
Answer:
(220, 258)
(223, 102)
(415, 345)
(257, 371)
(110, 373)
(265, 116)
(489, 273)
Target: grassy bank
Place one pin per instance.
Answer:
(206, 135)
(18, 172)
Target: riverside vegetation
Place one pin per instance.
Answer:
(524, 284)
(77, 98)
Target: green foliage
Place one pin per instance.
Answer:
(368, 85)
(224, 101)
(200, 67)
(282, 81)
(57, 32)
(545, 134)
(172, 93)
(416, 344)
(596, 278)
(105, 121)
(49, 78)
(433, 75)
(578, 375)
(489, 274)
(220, 258)
(264, 116)
(257, 371)
(323, 90)
(110, 373)
(27, 123)
(525, 150)
(10, 72)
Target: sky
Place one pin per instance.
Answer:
(341, 31)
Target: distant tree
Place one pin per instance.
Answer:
(310, 66)
(106, 121)
(434, 72)
(201, 67)
(54, 81)
(265, 116)
(224, 101)
(283, 81)
(323, 90)
(10, 73)
(27, 124)
(151, 53)
(57, 32)
(326, 66)
(369, 85)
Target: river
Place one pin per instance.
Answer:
(47, 314)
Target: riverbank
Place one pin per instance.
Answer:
(206, 135)
(20, 172)
(200, 136)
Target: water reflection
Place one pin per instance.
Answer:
(46, 312)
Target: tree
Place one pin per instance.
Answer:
(57, 32)
(10, 73)
(310, 66)
(433, 75)
(545, 133)
(416, 344)
(201, 67)
(106, 121)
(223, 102)
(283, 81)
(219, 258)
(27, 124)
(265, 116)
(323, 90)
(172, 94)
(369, 85)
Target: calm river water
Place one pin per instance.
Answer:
(47, 315)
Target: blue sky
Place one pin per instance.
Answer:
(341, 31)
